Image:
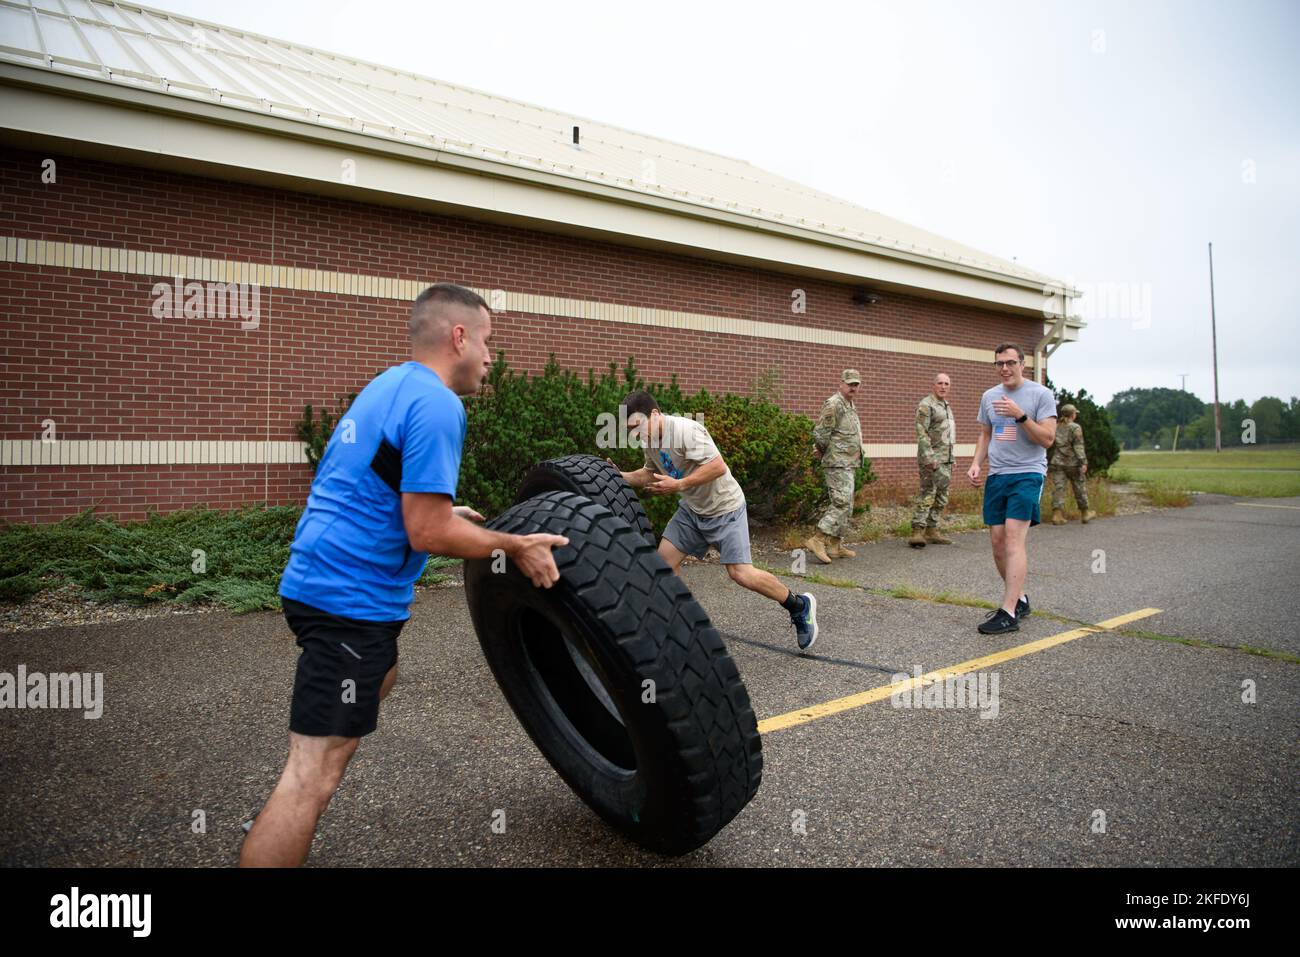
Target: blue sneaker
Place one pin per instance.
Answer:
(805, 621)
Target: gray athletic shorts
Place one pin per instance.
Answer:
(693, 534)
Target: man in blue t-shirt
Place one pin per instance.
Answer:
(380, 503)
(1017, 425)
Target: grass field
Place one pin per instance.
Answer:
(1250, 457)
(1255, 472)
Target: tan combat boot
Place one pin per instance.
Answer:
(933, 537)
(838, 550)
(816, 544)
(1058, 517)
(918, 537)
(1088, 515)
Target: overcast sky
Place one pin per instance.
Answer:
(1101, 142)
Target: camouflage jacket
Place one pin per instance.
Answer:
(935, 431)
(838, 434)
(1067, 450)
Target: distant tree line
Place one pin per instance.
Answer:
(1145, 418)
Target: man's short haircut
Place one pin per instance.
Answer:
(640, 402)
(1010, 347)
(430, 315)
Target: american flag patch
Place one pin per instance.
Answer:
(1005, 432)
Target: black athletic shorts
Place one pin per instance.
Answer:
(340, 670)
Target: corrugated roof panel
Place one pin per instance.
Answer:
(17, 29)
(150, 53)
(161, 24)
(257, 82)
(348, 101)
(108, 48)
(198, 62)
(302, 89)
(221, 43)
(241, 46)
(80, 8)
(60, 37)
(110, 13)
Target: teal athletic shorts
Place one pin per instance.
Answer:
(1015, 495)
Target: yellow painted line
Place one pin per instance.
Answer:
(1262, 505)
(793, 719)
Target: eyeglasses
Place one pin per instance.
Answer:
(1008, 363)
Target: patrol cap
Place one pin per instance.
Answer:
(851, 375)
(1068, 410)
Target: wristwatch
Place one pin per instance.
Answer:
(1022, 418)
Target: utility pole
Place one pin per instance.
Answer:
(1214, 348)
(1183, 376)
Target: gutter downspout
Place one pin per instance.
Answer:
(1055, 339)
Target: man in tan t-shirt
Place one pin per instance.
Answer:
(681, 457)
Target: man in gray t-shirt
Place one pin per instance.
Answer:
(1017, 425)
(1011, 448)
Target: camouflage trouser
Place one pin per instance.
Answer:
(1059, 476)
(839, 482)
(934, 496)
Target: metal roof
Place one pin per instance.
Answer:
(191, 59)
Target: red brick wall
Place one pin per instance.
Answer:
(83, 348)
(42, 494)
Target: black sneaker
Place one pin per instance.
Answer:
(1023, 610)
(998, 623)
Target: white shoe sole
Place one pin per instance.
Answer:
(812, 619)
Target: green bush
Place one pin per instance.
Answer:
(232, 558)
(521, 420)
(315, 433)
(769, 452)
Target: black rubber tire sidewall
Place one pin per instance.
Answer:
(698, 752)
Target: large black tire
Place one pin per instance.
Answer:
(592, 476)
(572, 661)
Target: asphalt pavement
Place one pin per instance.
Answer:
(1105, 750)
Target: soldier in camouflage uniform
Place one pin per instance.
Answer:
(838, 440)
(1069, 460)
(935, 438)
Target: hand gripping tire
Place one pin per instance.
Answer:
(668, 764)
(592, 476)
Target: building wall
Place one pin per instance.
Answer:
(84, 349)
